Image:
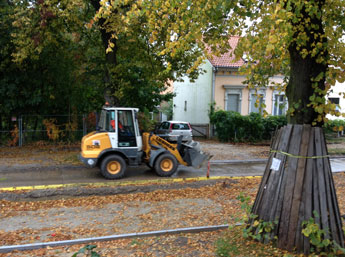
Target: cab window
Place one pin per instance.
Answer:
(126, 129)
(107, 119)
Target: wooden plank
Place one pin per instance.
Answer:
(322, 185)
(307, 195)
(283, 146)
(289, 187)
(337, 214)
(330, 206)
(272, 184)
(280, 173)
(298, 189)
(315, 199)
(260, 193)
(334, 214)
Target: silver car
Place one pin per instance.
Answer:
(171, 130)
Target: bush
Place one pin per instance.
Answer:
(272, 123)
(334, 126)
(232, 126)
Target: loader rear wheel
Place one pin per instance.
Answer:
(165, 165)
(113, 167)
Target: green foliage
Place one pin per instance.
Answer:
(245, 206)
(48, 65)
(272, 123)
(146, 124)
(254, 228)
(225, 249)
(321, 244)
(231, 126)
(87, 251)
(167, 109)
(334, 126)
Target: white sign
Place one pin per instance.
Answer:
(275, 164)
(96, 142)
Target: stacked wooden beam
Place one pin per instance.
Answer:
(297, 181)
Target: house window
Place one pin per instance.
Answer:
(233, 103)
(335, 100)
(279, 104)
(233, 98)
(255, 102)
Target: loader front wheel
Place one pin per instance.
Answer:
(165, 165)
(113, 167)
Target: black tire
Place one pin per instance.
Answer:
(148, 165)
(165, 165)
(113, 167)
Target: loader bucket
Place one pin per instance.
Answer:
(193, 156)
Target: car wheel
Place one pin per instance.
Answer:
(113, 167)
(165, 165)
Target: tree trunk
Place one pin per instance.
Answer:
(302, 181)
(301, 184)
(111, 60)
(306, 68)
(300, 87)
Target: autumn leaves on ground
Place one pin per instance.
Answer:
(163, 207)
(62, 219)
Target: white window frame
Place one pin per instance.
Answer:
(233, 90)
(258, 92)
(275, 93)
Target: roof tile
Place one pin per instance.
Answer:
(227, 60)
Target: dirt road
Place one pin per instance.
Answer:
(36, 216)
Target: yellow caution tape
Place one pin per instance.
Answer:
(122, 183)
(299, 156)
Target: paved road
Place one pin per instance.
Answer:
(26, 175)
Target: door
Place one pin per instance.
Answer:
(126, 129)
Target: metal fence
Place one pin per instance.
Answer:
(200, 130)
(26, 129)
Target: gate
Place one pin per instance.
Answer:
(201, 130)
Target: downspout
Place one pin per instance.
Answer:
(214, 70)
(213, 93)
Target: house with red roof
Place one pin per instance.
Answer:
(223, 85)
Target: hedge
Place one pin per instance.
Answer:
(334, 126)
(232, 126)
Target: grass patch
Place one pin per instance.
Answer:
(336, 151)
(234, 244)
(333, 139)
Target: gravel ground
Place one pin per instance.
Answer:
(51, 220)
(228, 151)
(82, 217)
(27, 221)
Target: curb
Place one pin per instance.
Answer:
(252, 161)
(122, 183)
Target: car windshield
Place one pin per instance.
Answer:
(181, 126)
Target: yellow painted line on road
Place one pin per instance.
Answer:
(122, 183)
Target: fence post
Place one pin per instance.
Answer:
(84, 125)
(20, 121)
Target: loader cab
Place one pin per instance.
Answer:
(122, 127)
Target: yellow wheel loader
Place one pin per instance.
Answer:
(117, 143)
